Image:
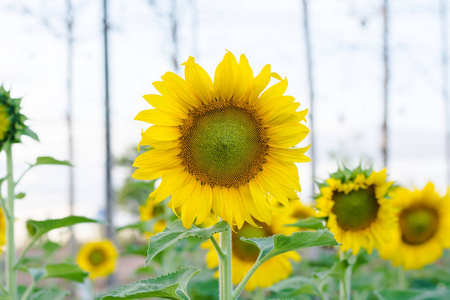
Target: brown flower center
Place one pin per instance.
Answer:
(418, 224)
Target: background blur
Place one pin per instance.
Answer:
(148, 38)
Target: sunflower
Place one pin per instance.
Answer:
(12, 125)
(358, 210)
(151, 210)
(244, 255)
(222, 147)
(98, 258)
(2, 229)
(424, 226)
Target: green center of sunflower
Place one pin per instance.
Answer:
(246, 251)
(355, 210)
(418, 224)
(97, 257)
(157, 210)
(223, 146)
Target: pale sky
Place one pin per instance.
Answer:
(348, 75)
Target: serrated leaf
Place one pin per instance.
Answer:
(51, 293)
(38, 228)
(65, 270)
(279, 244)
(176, 232)
(309, 223)
(47, 160)
(170, 286)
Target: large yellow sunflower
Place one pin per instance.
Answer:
(222, 146)
(149, 211)
(98, 258)
(358, 210)
(424, 226)
(244, 255)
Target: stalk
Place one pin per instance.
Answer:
(401, 278)
(225, 277)
(11, 275)
(345, 284)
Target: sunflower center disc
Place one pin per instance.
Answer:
(96, 257)
(223, 146)
(355, 210)
(418, 224)
(246, 251)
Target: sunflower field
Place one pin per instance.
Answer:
(226, 181)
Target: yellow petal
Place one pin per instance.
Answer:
(225, 77)
(199, 80)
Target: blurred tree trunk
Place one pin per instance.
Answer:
(444, 62)
(309, 63)
(386, 61)
(69, 114)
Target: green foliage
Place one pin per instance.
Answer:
(50, 293)
(309, 223)
(65, 270)
(175, 232)
(279, 244)
(410, 295)
(294, 287)
(38, 228)
(170, 286)
(47, 160)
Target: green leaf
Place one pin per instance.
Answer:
(20, 195)
(51, 293)
(47, 160)
(38, 228)
(294, 286)
(65, 270)
(279, 244)
(170, 286)
(411, 295)
(176, 232)
(309, 223)
(50, 247)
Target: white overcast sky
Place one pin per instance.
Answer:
(348, 71)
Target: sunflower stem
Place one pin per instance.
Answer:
(217, 247)
(401, 278)
(225, 277)
(345, 284)
(237, 292)
(11, 275)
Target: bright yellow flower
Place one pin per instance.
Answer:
(2, 229)
(222, 146)
(245, 254)
(424, 227)
(4, 122)
(149, 211)
(98, 258)
(358, 210)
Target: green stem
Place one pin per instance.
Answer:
(11, 254)
(237, 292)
(28, 291)
(22, 257)
(225, 277)
(401, 278)
(345, 285)
(217, 247)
